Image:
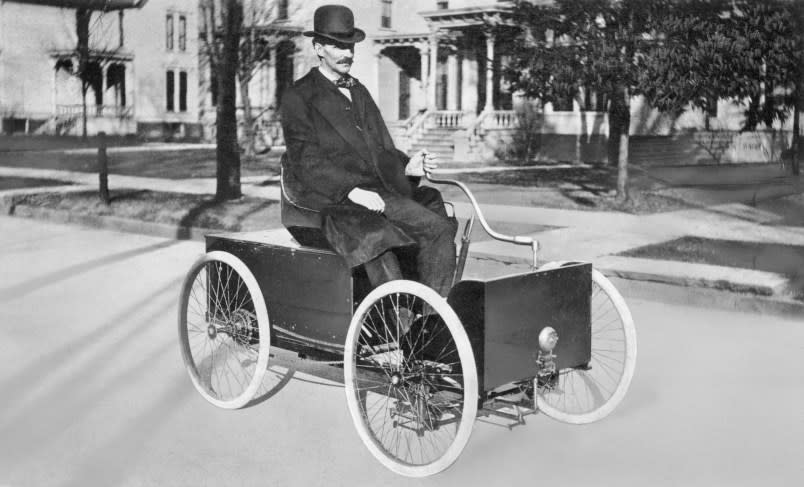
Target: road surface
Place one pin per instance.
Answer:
(93, 392)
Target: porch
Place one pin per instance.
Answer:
(444, 88)
(108, 80)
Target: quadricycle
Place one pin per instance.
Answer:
(418, 369)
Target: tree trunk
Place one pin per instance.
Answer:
(82, 20)
(84, 111)
(622, 168)
(620, 121)
(798, 98)
(613, 143)
(794, 163)
(228, 154)
(103, 169)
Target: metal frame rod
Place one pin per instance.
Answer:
(515, 239)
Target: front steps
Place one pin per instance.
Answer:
(438, 141)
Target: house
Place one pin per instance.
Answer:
(424, 62)
(434, 68)
(139, 78)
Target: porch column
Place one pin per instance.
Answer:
(489, 71)
(55, 88)
(425, 94)
(104, 72)
(469, 79)
(131, 86)
(431, 82)
(453, 80)
(270, 85)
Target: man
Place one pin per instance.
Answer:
(341, 161)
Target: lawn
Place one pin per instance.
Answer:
(187, 210)
(787, 260)
(15, 143)
(588, 187)
(168, 164)
(7, 183)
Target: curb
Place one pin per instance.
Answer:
(707, 297)
(641, 284)
(128, 225)
(745, 281)
(721, 292)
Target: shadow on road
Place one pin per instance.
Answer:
(111, 462)
(78, 390)
(27, 287)
(75, 347)
(223, 215)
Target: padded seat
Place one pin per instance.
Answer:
(304, 224)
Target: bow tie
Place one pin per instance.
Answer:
(345, 82)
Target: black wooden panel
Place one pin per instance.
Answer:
(467, 299)
(307, 291)
(504, 316)
(519, 307)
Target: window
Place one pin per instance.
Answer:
(169, 32)
(182, 33)
(385, 19)
(182, 91)
(442, 5)
(282, 10)
(116, 79)
(169, 91)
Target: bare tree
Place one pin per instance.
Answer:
(262, 32)
(223, 22)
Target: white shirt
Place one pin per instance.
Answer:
(332, 76)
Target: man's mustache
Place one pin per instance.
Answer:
(345, 60)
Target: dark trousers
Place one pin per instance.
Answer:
(425, 220)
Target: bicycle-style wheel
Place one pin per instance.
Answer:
(585, 395)
(411, 379)
(223, 330)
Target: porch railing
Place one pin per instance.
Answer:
(402, 129)
(446, 119)
(491, 119)
(502, 119)
(415, 127)
(109, 111)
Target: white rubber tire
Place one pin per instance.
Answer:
(468, 366)
(260, 311)
(629, 362)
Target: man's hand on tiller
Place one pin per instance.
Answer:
(369, 199)
(420, 162)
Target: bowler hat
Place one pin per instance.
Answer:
(335, 22)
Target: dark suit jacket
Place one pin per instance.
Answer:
(334, 145)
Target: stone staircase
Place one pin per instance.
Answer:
(437, 140)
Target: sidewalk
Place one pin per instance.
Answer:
(593, 236)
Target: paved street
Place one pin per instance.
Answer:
(94, 392)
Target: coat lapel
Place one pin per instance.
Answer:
(359, 102)
(329, 102)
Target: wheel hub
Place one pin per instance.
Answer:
(212, 332)
(242, 327)
(396, 379)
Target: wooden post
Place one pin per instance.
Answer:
(103, 168)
